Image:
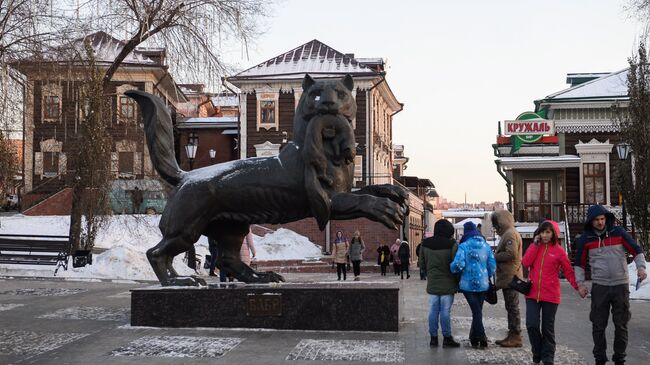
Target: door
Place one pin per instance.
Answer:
(537, 203)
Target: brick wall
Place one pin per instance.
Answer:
(58, 204)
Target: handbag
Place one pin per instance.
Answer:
(520, 285)
(491, 295)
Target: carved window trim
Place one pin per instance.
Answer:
(122, 147)
(56, 149)
(267, 149)
(264, 97)
(123, 100)
(48, 93)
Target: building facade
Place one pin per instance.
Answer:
(561, 158)
(55, 111)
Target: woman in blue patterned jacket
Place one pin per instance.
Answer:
(475, 261)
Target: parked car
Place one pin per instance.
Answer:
(150, 193)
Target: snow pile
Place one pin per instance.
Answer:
(644, 288)
(126, 238)
(285, 244)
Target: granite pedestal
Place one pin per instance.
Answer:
(355, 306)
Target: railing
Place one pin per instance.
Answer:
(571, 213)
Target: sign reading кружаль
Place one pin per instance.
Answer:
(536, 126)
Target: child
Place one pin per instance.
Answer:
(543, 258)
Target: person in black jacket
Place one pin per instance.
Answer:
(423, 272)
(383, 255)
(404, 254)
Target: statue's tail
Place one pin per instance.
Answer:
(159, 132)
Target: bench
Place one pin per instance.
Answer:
(35, 250)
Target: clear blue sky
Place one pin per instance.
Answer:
(459, 67)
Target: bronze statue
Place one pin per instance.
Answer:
(311, 177)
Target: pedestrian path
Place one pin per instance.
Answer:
(55, 322)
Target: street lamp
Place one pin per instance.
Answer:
(190, 150)
(623, 150)
(212, 153)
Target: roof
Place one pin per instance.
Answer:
(539, 162)
(314, 58)
(210, 122)
(225, 100)
(608, 86)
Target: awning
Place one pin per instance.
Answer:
(230, 132)
(539, 162)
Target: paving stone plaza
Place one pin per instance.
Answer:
(79, 322)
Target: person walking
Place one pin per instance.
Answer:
(247, 252)
(383, 254)
(394, 256)
(423, 271)
(404, 254)
(341, 248)
(435, 256)
(212, 247)
(508, 255)
(606, 247)
(543, 259)
(475, 262)
(356, 254)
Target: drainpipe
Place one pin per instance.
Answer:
(508, 184)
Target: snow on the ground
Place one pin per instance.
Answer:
(644, 288)
(285, 244)
(126, 238)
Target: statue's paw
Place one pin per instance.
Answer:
(269, 277)
(387, 212)
(184, 281)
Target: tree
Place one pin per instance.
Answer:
(635, 130)
(191, 31)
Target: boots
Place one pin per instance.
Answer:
(511, 341)
(434, 341)
(448, 341)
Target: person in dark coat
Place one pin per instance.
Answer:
(212, 246)
(404, 254)
(383, 254)
(435, 256)
(423, 272)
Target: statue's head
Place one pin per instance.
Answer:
(328, 96)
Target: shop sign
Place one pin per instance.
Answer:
(537, 126)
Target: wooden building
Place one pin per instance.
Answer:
(560, 159)
(269, 93)
(54, 114)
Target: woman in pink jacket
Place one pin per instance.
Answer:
(543, 258)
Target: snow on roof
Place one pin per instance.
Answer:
(464, 213)
(216, 120)
(460, 224)
(612, 85)
(313, 57)
(107, 48)
(225, 100)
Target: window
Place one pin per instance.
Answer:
(267, 112)
(52, 107)
(594, 176)
(126, 108)
(50, 164)
(125, 163)
(537, 205)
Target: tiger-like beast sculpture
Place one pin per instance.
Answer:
(311, 177)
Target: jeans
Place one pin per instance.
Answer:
(511, 299)
(340, 268)
(356, 267)
(602, 298)
(212, 246)
(542, 342)
(475, 301)
(440, 306)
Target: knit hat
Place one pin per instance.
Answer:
(469, 230)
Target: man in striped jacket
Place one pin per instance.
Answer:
(606, 247)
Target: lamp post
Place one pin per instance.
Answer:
(213, 154)
(623, 150)
(190, 150)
